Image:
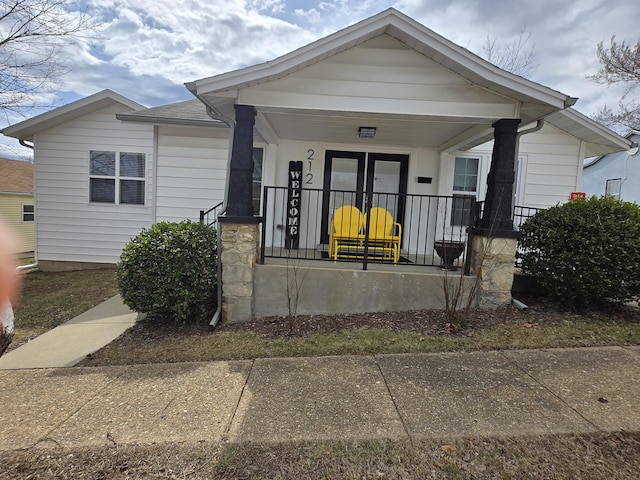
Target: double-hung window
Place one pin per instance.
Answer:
(117, 177)
(28, 213)
(612, 188)
(465, 186)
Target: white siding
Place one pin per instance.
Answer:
(383, 76)
(192, 169)
(68, 227)
(552, 169)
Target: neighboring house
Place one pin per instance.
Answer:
(616, 174)
(16, 200)
(384, 112)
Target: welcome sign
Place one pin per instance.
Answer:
(292, 236)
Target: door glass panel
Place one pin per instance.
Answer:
(386, 185)
(344, 178)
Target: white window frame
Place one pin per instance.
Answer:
(608, 187)
(118, 178)
(460, 194)
(32, 212)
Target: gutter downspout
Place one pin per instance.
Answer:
(31, 266)
(231, 124)
(25, 144)
(218, 313)
(516, 303)
(537, 128)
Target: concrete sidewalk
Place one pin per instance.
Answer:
(69, 343)
(520, 392)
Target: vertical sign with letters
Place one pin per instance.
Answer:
(292, 236)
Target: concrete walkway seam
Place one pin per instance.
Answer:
(393, 399)
(548, 389)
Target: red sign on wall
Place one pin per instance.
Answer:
(577, 195)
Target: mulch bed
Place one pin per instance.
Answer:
(424, 322)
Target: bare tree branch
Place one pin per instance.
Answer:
(619, 64)
(517, 56)
(33, 33)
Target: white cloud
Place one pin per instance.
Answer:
(197, 39)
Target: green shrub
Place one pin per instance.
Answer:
(585, 253)
(169, 270)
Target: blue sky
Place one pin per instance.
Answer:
(147, 49)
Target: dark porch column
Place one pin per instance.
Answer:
(497, 220)
(239, 202)
(494, 243)
(239, 237)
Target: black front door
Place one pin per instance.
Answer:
(365, 181)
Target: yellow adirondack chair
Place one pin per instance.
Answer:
(345, 229)
(384, 233)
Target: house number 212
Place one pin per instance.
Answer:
(309, 176)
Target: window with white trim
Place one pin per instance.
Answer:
(117, 177)
(465, 186)
(612, 188)
(256, 193)
(28, 213)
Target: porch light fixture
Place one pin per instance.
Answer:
(367, 132)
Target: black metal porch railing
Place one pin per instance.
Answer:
(298, 227)
(210, 217)
(520, 215)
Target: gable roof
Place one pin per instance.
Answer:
(538, 100)
(26, 129)
(190, 112)
(17, 176)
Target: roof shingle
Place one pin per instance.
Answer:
(16, 176)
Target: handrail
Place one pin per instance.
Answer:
(204, 214)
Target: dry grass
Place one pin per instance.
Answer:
(587, 456)
(49, 299)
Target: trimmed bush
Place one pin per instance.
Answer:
(169, 270)
(586, 253)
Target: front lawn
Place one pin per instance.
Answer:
(49, 299)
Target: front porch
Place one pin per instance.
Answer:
(305, 280)
(375, 116)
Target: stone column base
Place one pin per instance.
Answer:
(493, 264)
(239, 243)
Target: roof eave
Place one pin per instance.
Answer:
(27, 128)
(133, 118)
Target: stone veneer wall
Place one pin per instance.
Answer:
(493, 263)
(239, 243)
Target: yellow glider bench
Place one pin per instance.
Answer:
(347, 238)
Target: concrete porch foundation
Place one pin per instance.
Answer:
(334, 288)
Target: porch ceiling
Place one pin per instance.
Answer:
(342, 127)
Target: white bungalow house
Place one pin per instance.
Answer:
(616, 174)
(384, 112)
